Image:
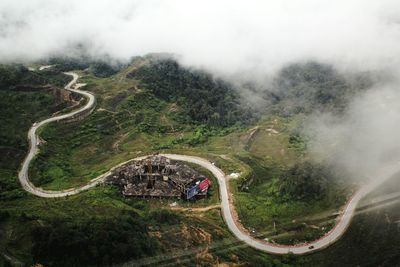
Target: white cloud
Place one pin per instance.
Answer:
(366, 139)
(225, 36)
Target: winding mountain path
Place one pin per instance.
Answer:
(34, 142)
(227, 207)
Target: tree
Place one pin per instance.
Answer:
(306, 181)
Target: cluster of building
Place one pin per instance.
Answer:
(158, 176)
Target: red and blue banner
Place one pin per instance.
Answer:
(203, 185)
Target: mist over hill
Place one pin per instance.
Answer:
(228, 37)
(299, 100)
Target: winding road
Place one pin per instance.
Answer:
(228, 211)
(34, 142)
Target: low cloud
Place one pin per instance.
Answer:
(363, 141)
(228, 37)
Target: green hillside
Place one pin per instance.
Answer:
(155, 105)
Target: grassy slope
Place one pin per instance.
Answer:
(372, 238)
(121, 127)
(128, 122)
(19, 217)
(261, 208)
(94, 151)
(18, 111)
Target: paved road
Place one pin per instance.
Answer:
(227, 207)
(33, 144)
(238, 230)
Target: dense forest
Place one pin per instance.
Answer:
(100, 68)
(17, 75)
(203, 98)
(298, 88)
(93, 241)
(311, 86)
(307, 181)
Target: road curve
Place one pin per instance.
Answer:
(227, 207)
(34, 141)
(238, 230)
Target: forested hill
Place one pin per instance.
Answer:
(297, 88)
(14, 74)
(311, 86)
(203, 98)
(156, 105)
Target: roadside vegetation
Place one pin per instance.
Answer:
(23, 101)
(155, 105)
(281, 195)
(372, 238)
